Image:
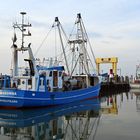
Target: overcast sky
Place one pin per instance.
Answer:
(113, 26)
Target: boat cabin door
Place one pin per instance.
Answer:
(42, 83)
(55, 79)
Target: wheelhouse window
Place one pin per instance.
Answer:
(19, 82)
(60, 73)
(30, 82)
(50, 74)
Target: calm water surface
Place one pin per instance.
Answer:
(109, 118)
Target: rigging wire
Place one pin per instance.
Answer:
(89, 43)
(85, 32)
(43, 42)
(55, 47)
(67, 42)
(72, 129)
(98, 121)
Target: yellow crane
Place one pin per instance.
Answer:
(113, 60)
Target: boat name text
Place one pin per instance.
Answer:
(7, 93)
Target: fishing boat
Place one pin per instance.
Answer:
(135, 83)
(36, 85)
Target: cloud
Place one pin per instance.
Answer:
(95, 35)
(115, 37)
(105, 42)
(113, 26)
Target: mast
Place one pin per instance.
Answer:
(22, 27)
(79, 44)
(14, 71)
(59, 30)
(83, 53)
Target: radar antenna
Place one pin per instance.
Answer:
(22, 28)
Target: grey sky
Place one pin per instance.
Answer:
(113, 26)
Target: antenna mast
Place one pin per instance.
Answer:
(22, 27)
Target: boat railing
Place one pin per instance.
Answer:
(4, 81)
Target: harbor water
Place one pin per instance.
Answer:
(111, 117)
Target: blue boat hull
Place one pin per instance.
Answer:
(23, 98)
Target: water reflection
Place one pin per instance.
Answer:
(111, 116)
(71, 121)
(112, 100)
(136, 92)
(110, 105)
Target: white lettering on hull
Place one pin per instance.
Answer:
(8, 101)
(7, 93)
